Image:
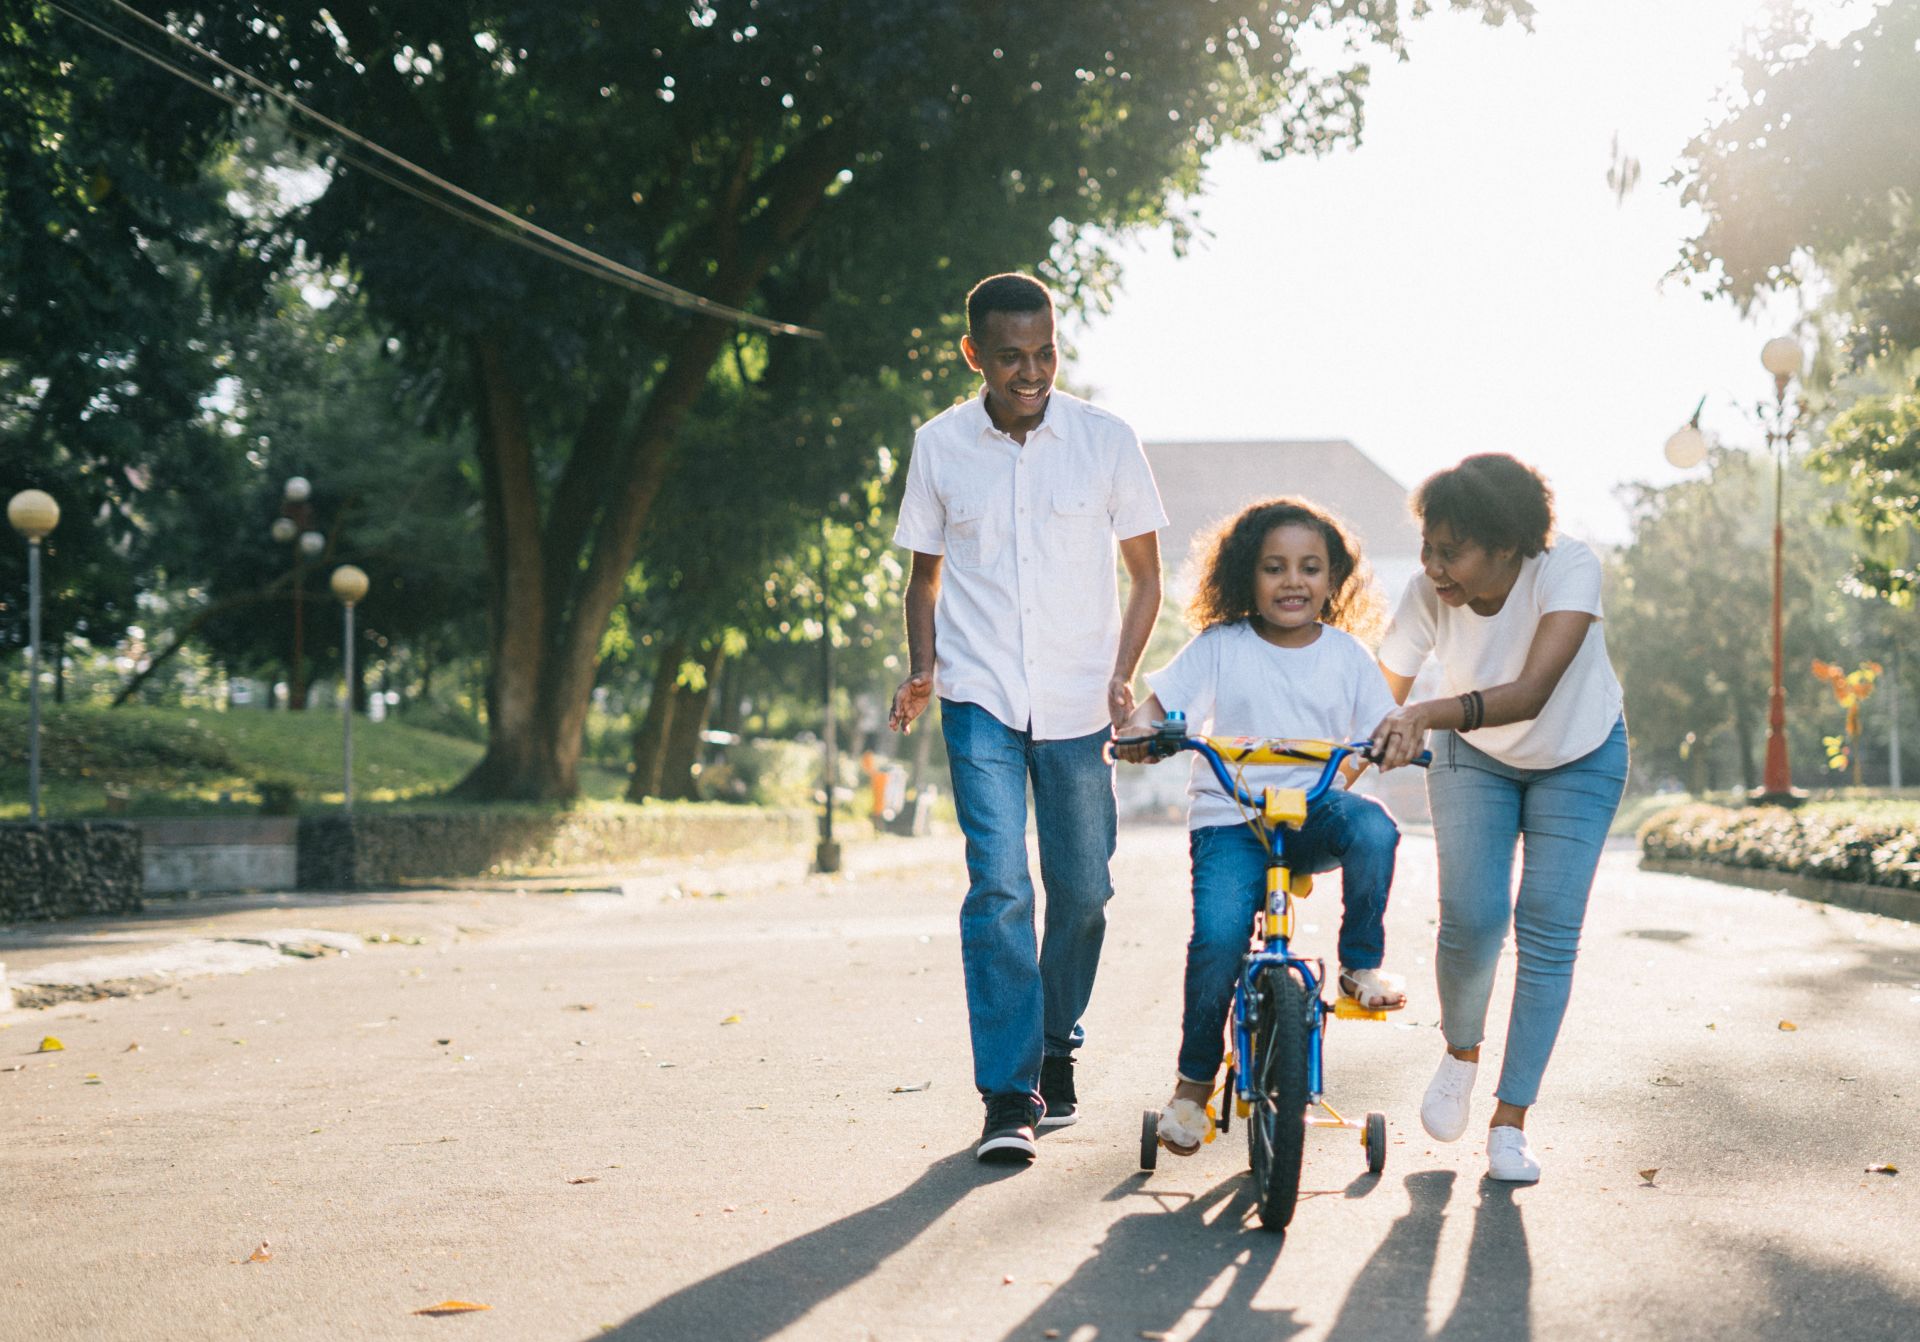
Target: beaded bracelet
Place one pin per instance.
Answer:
(1473, 710)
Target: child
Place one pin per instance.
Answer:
(1282, 588)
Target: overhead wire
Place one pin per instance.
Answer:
(492, 218)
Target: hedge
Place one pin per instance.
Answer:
(1821, 843)
(68, 869)
(339, 852)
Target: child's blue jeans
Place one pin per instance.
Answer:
(1024, 1000)
(1342, 830)
(1559, 818)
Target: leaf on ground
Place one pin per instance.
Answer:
(263, 1254)
(756, 1106)
(1007, 1280)
(15, 1067)
(133, 1048)
(908, 1090)
(1647, 1175)
(52, 1045)
(734, 1019)
(1883, 1169)
(1788, 1025)
(452, 1307)
(588, 1179)
(580, 1006)
(1667, 1081)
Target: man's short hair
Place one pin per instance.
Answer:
(1012, 292)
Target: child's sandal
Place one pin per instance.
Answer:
(1184, 1126)
(1374, 989)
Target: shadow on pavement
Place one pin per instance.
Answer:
(759, 1297)
(1155, 1266)
(1388, 1299)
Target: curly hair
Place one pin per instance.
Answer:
(1492, 499)
(1230, 554)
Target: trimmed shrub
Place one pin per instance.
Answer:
(339, 852)
(1882, 849)
(68, 868)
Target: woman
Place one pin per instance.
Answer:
(1532, 746)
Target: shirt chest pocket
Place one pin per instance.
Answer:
(1080, 527)
(972, 540)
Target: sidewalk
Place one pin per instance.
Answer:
(79, 960)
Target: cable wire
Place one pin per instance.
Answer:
(495, 219)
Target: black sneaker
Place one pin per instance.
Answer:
(1056, 1089)
(1008, 1135)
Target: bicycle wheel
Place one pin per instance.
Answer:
(1277, 1126)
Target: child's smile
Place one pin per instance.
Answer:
(1291, 585)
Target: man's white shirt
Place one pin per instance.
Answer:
(1028, 620)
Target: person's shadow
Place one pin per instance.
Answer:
(757, 1298)
(1155, 1266)
(1388, 1298)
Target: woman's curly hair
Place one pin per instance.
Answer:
(1230, 554)
(1491, 498)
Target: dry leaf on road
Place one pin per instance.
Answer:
(263, 1254)
(1788, 1025)
(452, 1307)
(1883, 1169)
(589, 1179)
(51, 1045)
(1647, 1175)
(908, 1090)
(733, 1019)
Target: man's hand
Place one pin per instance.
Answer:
(1120, 703)
(910, 700)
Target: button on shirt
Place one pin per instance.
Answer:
(1028, 620)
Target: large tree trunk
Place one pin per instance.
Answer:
(690, 711)
(650, 736)
(547, 609)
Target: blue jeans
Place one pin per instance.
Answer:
(1024, 1001)
(1230, 886)
(1559, 818)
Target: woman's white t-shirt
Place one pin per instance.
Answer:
(1231, 682)
(1477, 652)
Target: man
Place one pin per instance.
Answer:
(1013, 504)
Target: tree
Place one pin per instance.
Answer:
(1813, 170)
(850, 165)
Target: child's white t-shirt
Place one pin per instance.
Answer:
(1477, 652)
(1231, 682)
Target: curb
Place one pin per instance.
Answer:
(1885, 900)
(150, 971)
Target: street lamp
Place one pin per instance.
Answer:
(349, 583)
(1687, 447)
(1780, 356)
(33, 514)
(295, 526)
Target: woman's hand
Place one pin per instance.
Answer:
(1401, 735)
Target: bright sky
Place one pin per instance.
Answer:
(1465, 280)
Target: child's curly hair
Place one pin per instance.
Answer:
(1231, 553)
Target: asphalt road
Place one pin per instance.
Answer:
(674, 1114)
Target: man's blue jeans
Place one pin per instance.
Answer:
(1230, 885)
(1559, 818)
(1024, 1001)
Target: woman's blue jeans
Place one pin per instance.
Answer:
(1230, 885)
(1024, 1001)
(1559, 819)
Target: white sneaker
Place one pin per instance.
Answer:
(1444, 1111)
(1509, 1158)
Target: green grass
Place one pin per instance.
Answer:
(170, 761)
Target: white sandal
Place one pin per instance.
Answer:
(1374, 989)
(1185, 1126)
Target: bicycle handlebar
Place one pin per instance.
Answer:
(1171, 738)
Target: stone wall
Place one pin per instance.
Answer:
(68, 869)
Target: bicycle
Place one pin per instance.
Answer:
(1274, 1078)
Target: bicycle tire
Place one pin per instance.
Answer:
(1277, 1125)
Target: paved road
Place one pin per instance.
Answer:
(673, 1115)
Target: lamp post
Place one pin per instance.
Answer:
(33, 514)
(349, 583)
(1781, 357)
(295, 526)
(826, 854)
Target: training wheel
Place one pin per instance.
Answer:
(1374, 1139)
(1149, 1139)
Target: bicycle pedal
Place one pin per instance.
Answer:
(1347, 1009)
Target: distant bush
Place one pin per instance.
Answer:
(1874, 845)
(764, 772)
